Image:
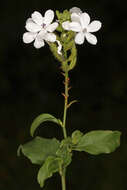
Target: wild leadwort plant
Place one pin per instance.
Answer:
(71, 28)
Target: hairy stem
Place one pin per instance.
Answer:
(65, 104)
(66, 82)
(63, 180)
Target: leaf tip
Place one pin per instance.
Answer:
(31, 132)
(19, 150)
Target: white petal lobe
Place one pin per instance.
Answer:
(59, 47)
(75, 10)
(85, 20)
(49, 16)
(29, 20)
(50, 37)
(75, 26)
(32, 27)
(75, 17)
(38, 43)
(28, 37)
(37, 18)
(52, 27)
(94, 26)
(79, 38)
(91, 38)
(66, 25)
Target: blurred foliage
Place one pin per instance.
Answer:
(31, 84)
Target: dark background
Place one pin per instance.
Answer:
(31, 83)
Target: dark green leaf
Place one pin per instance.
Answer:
(98, 142)
(42, 118)
(51, 165)
(39, 149)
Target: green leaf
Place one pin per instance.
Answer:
(42, 118)
(98, 142)
(39, 149)
(51, 166)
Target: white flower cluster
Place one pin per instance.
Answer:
(80, 23)
(41, 29)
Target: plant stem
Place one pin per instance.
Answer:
(65, 104)
(66, 82)
(63, 181)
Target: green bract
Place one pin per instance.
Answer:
(62, 17)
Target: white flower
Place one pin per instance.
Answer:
(40, 29)
(83, 28)
(59, 47)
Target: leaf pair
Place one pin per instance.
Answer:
(53, 155)
(49, 153)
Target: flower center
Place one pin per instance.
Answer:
(85, 30)
(43, 25)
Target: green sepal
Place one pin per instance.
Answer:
(98, 142)
(62, 17)
(42, 118)
(51, 166)
(67, 37)
(39, 149)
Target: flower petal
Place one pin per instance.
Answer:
(59, 47)
(29, 20)
(39, 43)
(42, 33)
(94, 26)
(52, 27)
(66, 25)
(75, 17)
(85, 20)
(48, 17)
(75, 26)
(32, 27)
(91, 38)
(79, 38)
(37, 18)
(75, 10)
(50, 37)
(28, 37)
